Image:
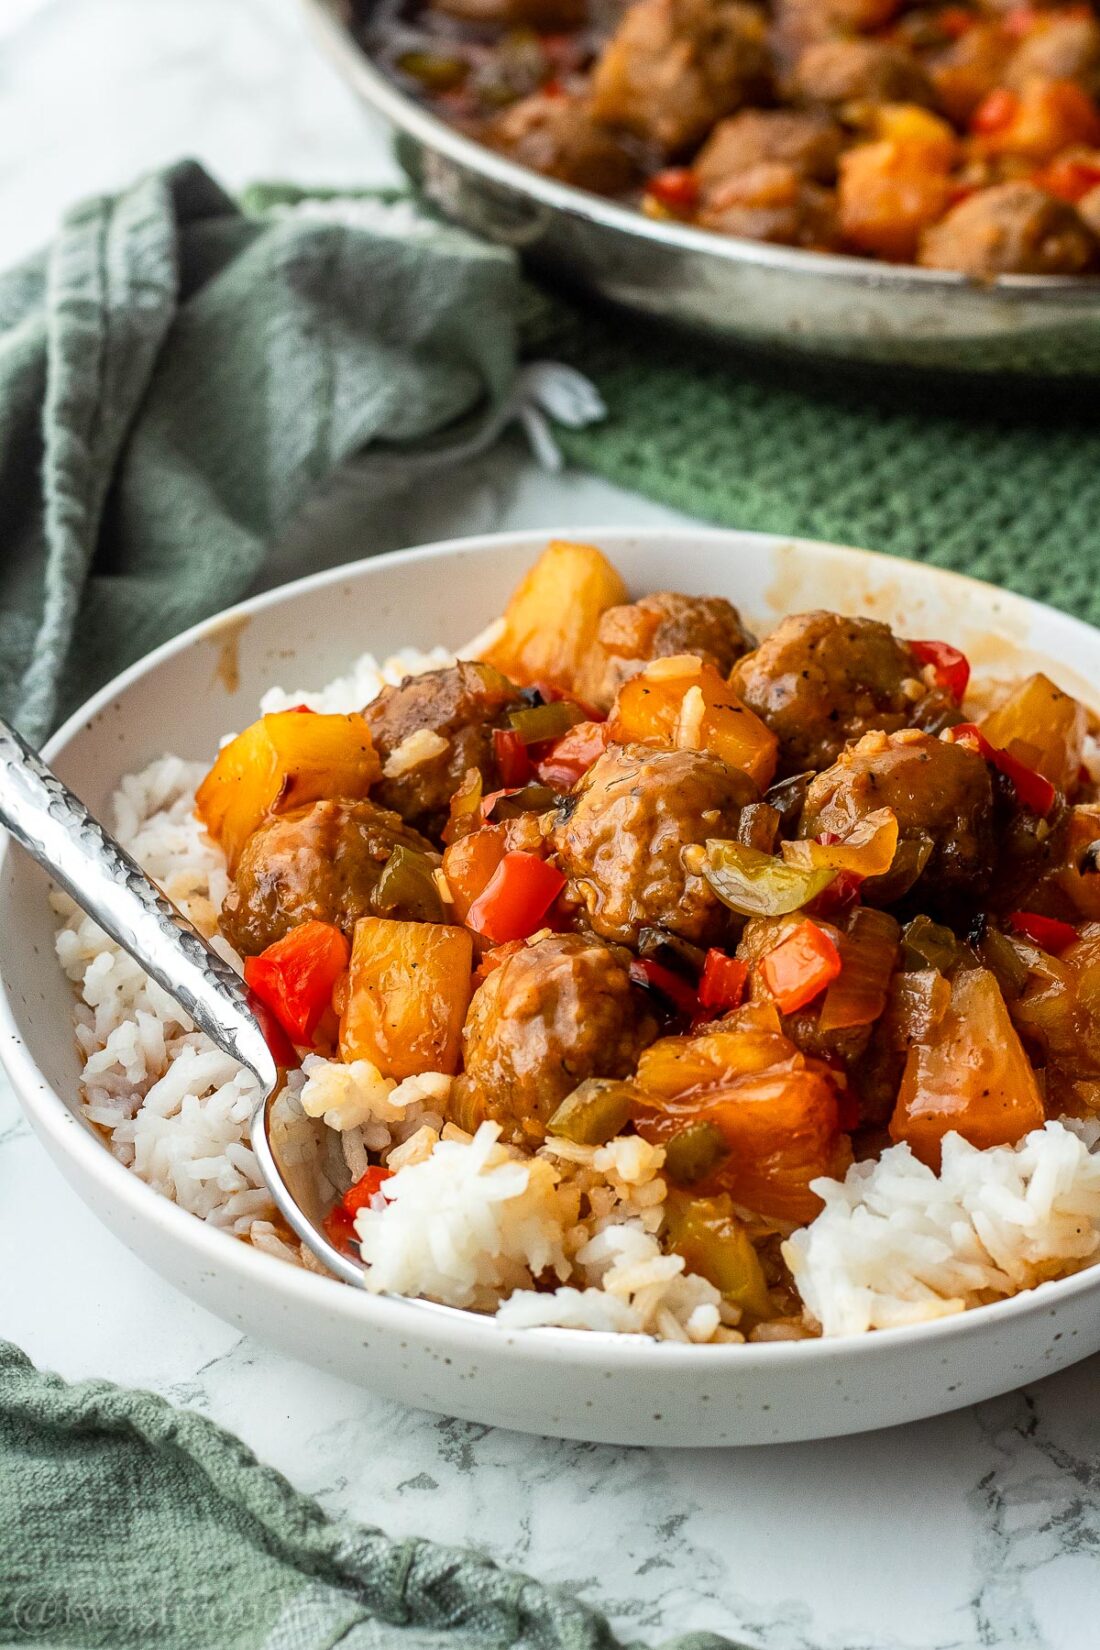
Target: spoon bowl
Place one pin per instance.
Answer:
(82, 857)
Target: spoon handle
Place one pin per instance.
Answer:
(57, 830)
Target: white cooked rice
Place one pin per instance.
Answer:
(897, 1243)
(569, 1236)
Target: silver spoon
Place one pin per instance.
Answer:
(56, 829)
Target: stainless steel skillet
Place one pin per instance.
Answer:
(741, 292)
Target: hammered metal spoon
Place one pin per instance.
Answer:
(56, 829)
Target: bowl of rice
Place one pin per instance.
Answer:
(530, 1289)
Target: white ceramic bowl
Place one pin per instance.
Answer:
(610, 1389)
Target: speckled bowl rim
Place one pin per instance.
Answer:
(454, 1330)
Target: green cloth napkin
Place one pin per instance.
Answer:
(127, 1523)
(176, 378)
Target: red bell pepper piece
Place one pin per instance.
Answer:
(952, 668)
(493, 958)
(1049, 933)
(722, 982)
(677, 188)
(339, 1223)
(569, 758)
(996, 111)
(1032, 790)
(1070, 180)
(955, 21)
(511, 758)
(655, 977)
(282, 1049)
(800, 967)
(297, 975)
(516, 898)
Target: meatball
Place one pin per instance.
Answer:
(1010, 229)
(838, 72)
(798, 23)
(550, 1016)
(558, 136)
(674, 67)
(773, 202)
(821, 679)
(1066, 48)
(320, 862)
(621, 840)
(808, 141)
(460, 705)
(970, 68)
(657, 627)
(941, 794)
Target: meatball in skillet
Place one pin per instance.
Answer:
(320, 862)
(807, 139)
(821, 679)
(657, 627)
(557, 1012)
(622, 837)
(942, 796)
(459, 706)
(838, 73)
(558, 137)
(674, 67)
(1010, 229)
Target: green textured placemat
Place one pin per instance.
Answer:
(1001, 482)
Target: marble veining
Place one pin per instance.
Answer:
(977, 1531)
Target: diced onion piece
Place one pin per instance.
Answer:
(868, 953)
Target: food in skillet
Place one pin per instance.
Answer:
(644, 975)
(962, 137)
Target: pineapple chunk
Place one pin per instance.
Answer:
(550, 622)
(279, 763)
(972, 1075)
(687, 703)
(1052, 725)
(408, 993)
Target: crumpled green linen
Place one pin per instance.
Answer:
(127, 1523)
(176, 379)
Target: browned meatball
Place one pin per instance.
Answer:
(798, 23)
(550, 1016)
(821, 679)
(1066, 48)
(621, 840)
(1011, 229)
(773, 202)
(656, 627)
(967, 70)
(674, 67)
(839, 72)
(461, 705)
(319, 862)
(807, 140)
(558, 136)
(943, 798)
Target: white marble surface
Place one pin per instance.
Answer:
(978, 1530)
